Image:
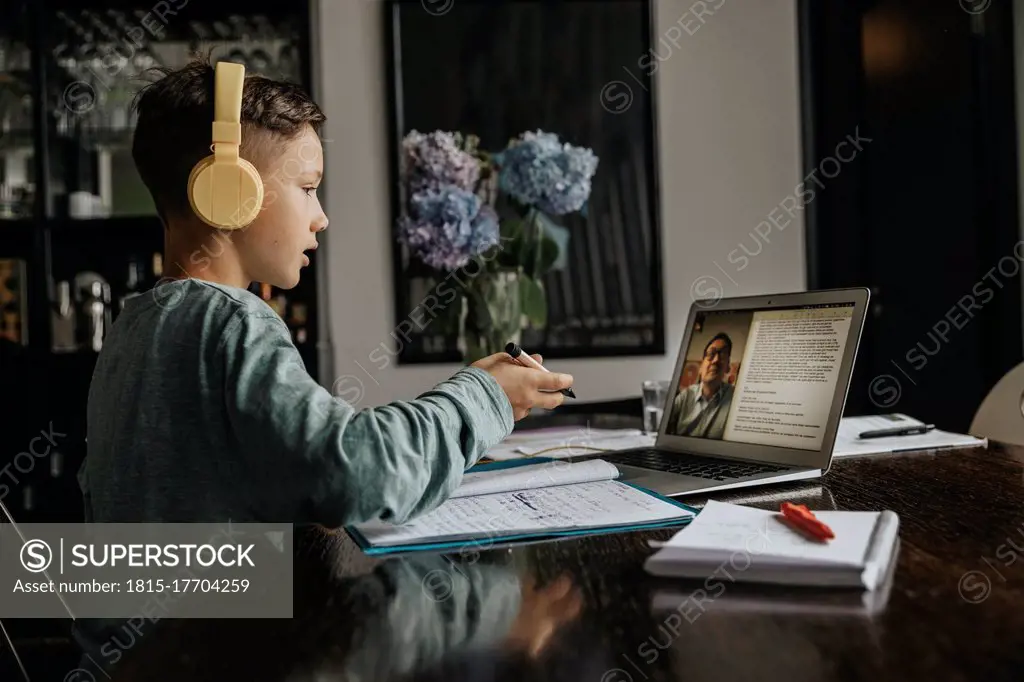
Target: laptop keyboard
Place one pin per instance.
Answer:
(692, 465)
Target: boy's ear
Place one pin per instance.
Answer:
(269, 197)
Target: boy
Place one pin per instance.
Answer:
(200, 409)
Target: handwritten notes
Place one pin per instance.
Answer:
(561, 507)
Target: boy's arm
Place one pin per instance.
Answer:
(322, 461)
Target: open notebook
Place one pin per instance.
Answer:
(754, 545)
(512, 501)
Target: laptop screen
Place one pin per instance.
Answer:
(765, 377)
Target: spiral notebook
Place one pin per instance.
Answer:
(508, 502)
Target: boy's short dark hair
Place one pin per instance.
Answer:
(175, 116)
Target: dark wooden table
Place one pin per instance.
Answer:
(955, 610)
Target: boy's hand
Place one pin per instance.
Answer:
(542, 612)
(525, 387)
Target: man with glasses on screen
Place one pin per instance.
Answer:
(701, 410)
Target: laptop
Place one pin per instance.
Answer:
(757, 393)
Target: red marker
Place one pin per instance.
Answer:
(800, 517)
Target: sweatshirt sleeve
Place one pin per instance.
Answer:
(315, 458)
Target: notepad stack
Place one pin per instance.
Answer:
(758, 546)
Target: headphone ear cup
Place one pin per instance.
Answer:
(251, 200)
(199, 207)
(227, 196)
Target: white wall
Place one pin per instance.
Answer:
(729, 127)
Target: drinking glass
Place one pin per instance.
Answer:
(654, 396)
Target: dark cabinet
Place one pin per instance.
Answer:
(73, 210)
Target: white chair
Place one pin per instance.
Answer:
(1001, 415)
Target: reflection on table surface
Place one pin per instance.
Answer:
(355, 618)
(583, 609)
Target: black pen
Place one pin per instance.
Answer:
(898, 431)
(525, 360)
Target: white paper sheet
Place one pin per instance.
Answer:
(723, 530)
(568, 442)
(564, 507)
(534, 476)
(848, 444)
(508, 448)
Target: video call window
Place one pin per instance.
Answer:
(761, 376)
(710, 370)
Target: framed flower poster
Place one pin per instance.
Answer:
(524, 179)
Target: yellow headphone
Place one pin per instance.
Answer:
(224, 189)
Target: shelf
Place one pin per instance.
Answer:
(200, 11)
(109, 139)
(125, 225)
(19, 229)
(16, 140)
(71, 150)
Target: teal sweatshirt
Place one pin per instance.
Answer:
(201, 410)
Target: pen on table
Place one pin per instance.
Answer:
(524, 359)
(898, 431)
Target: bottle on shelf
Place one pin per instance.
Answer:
(63, 320)
(297, 322)
(279, 304)
(56, 464)
(94, 313)
(157, 266)
(8, 205)
(133, 285)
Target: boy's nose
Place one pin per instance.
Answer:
(320, 225)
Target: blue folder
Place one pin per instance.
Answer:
(493, 542)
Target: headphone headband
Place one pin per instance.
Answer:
(224, 189)
(227, 104)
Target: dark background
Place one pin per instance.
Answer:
(930, 207)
